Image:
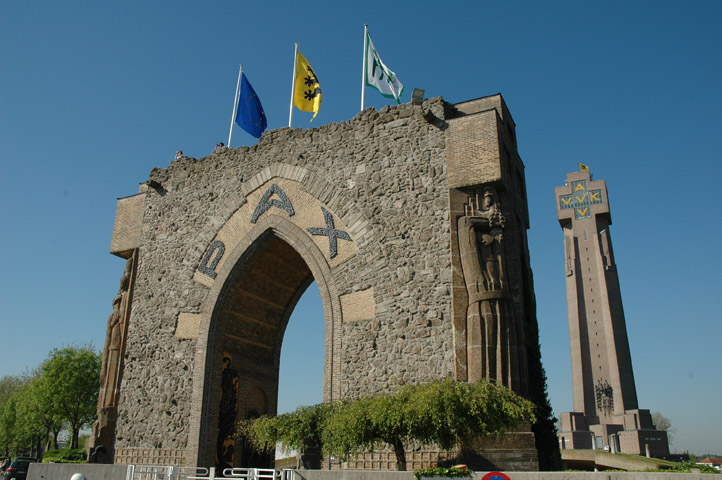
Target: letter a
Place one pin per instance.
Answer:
(282, 202)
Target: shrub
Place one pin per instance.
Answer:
(66, 455)
(442, 472)
(688, 466)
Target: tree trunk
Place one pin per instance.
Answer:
(47, 439)
(74, 432)
(400, 455)
(55, 438)
(39, 448)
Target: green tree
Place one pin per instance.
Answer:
(8, 435)
(664, 424)
(43, 417)
(445, 413)
(30, 428)
(71, 382)
(48, 413)
(299, 430)
(9, 388)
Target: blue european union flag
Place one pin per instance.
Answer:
(249, 115)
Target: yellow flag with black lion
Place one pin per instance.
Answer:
(306, 88)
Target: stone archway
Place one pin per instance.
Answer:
(223, 247)
(250, 319)
(245, 318)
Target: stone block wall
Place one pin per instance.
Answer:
(382, 175)
(368, 208)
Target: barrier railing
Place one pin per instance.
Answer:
(161, 472)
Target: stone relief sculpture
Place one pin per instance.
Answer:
(494, 333)
(103, 429)
(225, 449)
(569, 255)
(109, 366)
(607, 250)
(604, 394)
(113, 342)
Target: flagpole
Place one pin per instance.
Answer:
(363, 70)
(235, 105)
(293, 85)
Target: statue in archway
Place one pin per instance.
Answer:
(494, 332)
(226, 445)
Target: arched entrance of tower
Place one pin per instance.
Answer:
(255, 296)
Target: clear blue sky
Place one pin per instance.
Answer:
(94, 94)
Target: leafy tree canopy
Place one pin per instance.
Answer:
(63, 391)
(440, 412)
(71, 381)
(293, 430)
(664, 424)
(10, 388)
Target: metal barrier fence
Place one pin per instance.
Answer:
(161, 472)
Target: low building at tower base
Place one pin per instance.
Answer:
(633, 433)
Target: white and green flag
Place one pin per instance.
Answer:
(378, 75)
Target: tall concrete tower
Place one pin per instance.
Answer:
(605, 397)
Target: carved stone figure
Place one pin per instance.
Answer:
(494, 333)
(114, 342)
(607, 250)
(225, 449)
(569, 255)
(109, 367)
(605, 397)
(104, 427)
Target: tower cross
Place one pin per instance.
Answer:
(581, 199)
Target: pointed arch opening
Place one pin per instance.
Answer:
(251, 307)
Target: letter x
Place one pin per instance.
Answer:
(331, 232)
